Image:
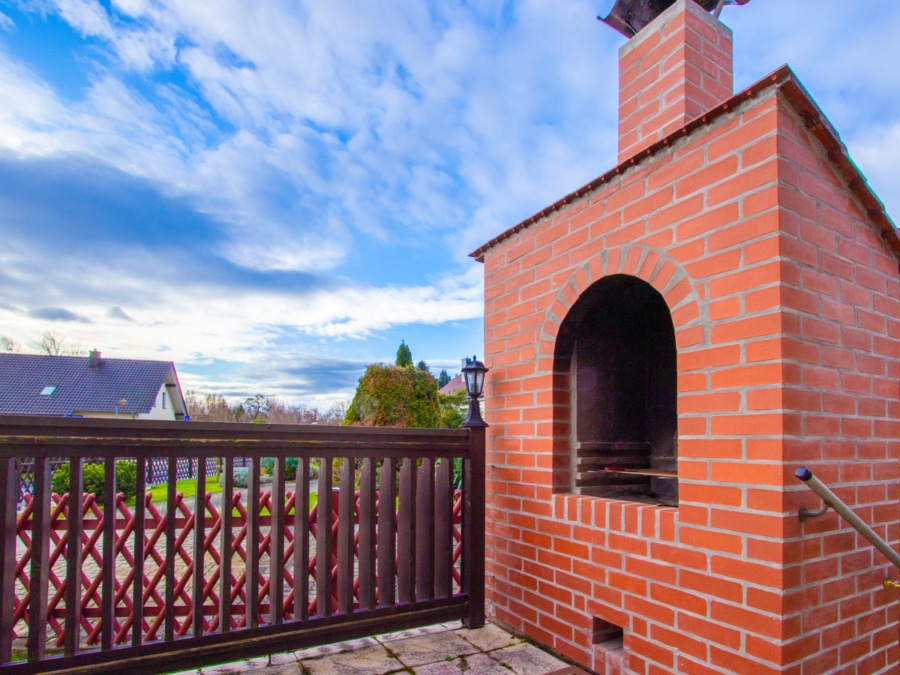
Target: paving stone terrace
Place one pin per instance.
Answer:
(443, 649)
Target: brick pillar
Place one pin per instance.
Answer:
(670, 73)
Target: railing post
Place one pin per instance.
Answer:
(9, 485)
(107, 592)
(226, 545)
(74, 528)
(140, 524)
(40, 561)
(171, 515)
(473, 526)
(252, 543)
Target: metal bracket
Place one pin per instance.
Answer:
(890, 585)
(806, 513)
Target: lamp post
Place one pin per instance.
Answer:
(473, 371)
(473, 514)
(120, 403)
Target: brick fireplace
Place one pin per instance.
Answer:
(667, 345)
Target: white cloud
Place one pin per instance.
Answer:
(305, 130)
(86, 16)
(200, 320)
(369, 117)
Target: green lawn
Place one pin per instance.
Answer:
(188, 487)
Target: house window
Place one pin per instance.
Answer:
(48, 390)
(617, 345)
(164, 400)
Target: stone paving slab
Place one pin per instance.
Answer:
(366, 661)
(444, 649)
(488, 638)
(526, 659)
(417, 651)
(477, 664)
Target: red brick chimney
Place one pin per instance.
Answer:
(670, 73)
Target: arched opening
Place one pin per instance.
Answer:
(617, 348)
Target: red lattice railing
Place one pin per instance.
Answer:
(154, 527)
(189, 582)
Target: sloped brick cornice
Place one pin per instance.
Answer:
(796, 94)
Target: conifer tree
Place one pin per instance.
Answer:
(404, 355)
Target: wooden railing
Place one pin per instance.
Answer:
(153, 587)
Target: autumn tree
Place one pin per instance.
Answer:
(215, 408)
(54, 344)
(9, 346)
(396, 396)
(209, 408)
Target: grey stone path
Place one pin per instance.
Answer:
(445, 649)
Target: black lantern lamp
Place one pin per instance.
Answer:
(473, 371)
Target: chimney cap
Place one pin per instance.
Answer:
(629, 17)
(94, 358)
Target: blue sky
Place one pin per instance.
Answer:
(274, 194)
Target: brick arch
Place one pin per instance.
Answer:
(664, 273)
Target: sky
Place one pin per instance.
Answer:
(274, 194)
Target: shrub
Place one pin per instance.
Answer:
(126, 478)
(241, 476)
(391, 396)
(290, 467)
(94, 478)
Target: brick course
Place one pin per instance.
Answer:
(784, 299)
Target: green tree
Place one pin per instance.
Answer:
(404, 355)
(443, 379)
(421, 365)
(453, 409)
(256, 406)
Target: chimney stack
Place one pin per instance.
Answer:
(93, 359)
(670, 73)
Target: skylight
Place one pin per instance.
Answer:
(49, 389)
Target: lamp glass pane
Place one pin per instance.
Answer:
(471, 382)
(479, 382)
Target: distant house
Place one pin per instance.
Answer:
(89, 386)
(453, 385)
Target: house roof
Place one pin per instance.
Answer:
(796, 94)
(455, 384)
(80, 387)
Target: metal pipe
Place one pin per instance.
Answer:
(719, 9)
(855, 521)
